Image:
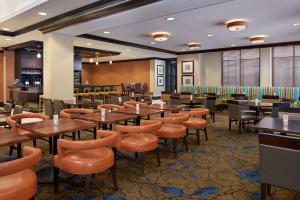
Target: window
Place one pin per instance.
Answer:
(231, 68)
(283, 66)
(241, 67)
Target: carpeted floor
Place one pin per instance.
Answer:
(223, 168)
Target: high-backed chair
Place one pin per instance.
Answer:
(15, 119)
(68, 113)
(17, 180)
(7, 107)
(211, 105)
(140, 139)
(48, 107)
(86, 157)
(165, 96)
(58, 105)
(129, 104)
(172, 128)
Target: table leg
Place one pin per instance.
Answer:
(138, 120)
(104, 126)
(95, 132)
(162, 115)
(19, 147)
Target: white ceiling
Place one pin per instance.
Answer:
(194, 20)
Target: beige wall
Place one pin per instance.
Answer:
(266, 67)
(116, 73)
(212, 67)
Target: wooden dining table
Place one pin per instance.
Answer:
(47, 129)
(109, 118)
(271, 124)
(8, 137)
(142, 112)
(165, 107)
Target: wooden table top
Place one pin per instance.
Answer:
(9, 137)
(4, 112)
(194, 101)
(271, 124)
(80, 102)
(143, 111)
(110, 117)
(252, 103)
(166, 107)
(47, 128)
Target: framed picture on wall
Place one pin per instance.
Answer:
(188, 67)
(160, 70)
(160, 81)
(187, 80)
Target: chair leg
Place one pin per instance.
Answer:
(114, 177)
(87, 181)
(186, 143)
(50, 145)
(263, 192)
(73, 136)
(214, 118)
(157, 156)
(34, 143)
(175, 147)
(78, 135)
(198, 137)
(240, 126)
(230, 124)
(206, 136)
(166, 141)
(55, 179)
(268, 190)
(142, 162)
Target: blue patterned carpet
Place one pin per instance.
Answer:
(224, 168)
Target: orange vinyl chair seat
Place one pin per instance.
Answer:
(139, 142)
(17, 180)
(195, 123)
(172, 131)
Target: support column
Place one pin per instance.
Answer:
(58, 66)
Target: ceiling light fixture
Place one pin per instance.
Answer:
(97, 63)
(106, 32)
(110, 62)
(6, 29)
(38, 55)
(296, 24)
(8, 39)
(236, 24)
(210, 35)
(160, 36)
(170, 18)
(194, 45)
(43, 13)
(91, 60)
(257, 39)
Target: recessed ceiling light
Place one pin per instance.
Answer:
(170, 18)
(89, 44)
(160, 36)
(152, 43)
(91, 60)
(42, 13)
(296, 24)
(106, 32)
(257, 39)
(8, 39)
(236, 24)
(5, 29)
(233, 45)
(194, 45)
(210, 35)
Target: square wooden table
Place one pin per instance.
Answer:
(270, 124)
(166, 107)
(142, 113)
(110, 118)
(9, 137)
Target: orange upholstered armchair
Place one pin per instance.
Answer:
(17, 180)
(68, 113)
(86, 157)
(139, 139)
(15, 119)
(172, 128)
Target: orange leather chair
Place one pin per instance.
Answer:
(67, 113)
(110, 107)
(86, 157)
(140, 139)
(128, 104)
(17, 180)
(194, 122)
(172, 128)
(15, 119)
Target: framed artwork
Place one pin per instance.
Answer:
(160, 70)
(188, 67)
(160, 81)
(188, 80)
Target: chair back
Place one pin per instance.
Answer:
(147, 126)
(14, 119)
(279, 106)
(145, 87)
(165, 96)
(240, 98)
(86, 90)
(114, 99)
(174, 119)
(237, 95)
(128, 104)
(8, 107)
(58, 105)
(148, 99)
(234, 111)
(67, 113)
(138, 88)
(110, 107)
(48, 107)
(18, 110)
(211, 105)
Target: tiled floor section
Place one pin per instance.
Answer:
(224, 168)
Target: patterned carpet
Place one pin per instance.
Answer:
(223, 168)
